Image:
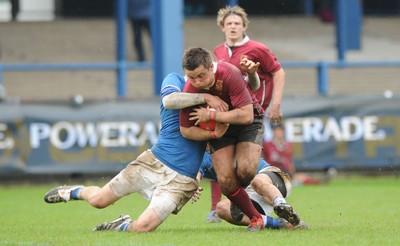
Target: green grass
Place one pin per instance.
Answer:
(348, 211)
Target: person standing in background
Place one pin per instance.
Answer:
(14, 9)
(279, 152)
(139, 16)
(238, 47)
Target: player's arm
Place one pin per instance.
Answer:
(237, 116)
(253, 81)
(179, 100)
(251, 69)
(275, 113)
(199, 134)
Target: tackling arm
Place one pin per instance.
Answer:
(179, 100)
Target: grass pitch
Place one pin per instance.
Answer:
(347, 211)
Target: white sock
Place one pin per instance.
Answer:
(265, 219)
(279, 200)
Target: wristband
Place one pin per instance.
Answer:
(212, 134)
(212, 115)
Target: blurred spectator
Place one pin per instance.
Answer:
(216, 194)
(279, 152)
(194, 7)
(14, 9)
(326, 11)
(2, 89)
(3, 94)
(139, 16)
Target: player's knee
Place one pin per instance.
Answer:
(246, 175)
(261, 182)
(222, 209)
(245, 179)
(256, 183)
(97, 202)
(228, 185)
(143, 226)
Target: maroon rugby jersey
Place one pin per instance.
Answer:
(256, 52)
(229, 86)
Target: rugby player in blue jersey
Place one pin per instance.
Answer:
(164, 174)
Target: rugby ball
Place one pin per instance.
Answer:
(208, 125)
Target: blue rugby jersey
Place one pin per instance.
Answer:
(180, 154)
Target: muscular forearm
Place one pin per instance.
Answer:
(179, 100)
(239, 116)
(279, 84)
(254, 81)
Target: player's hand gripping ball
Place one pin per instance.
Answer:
(208, 125)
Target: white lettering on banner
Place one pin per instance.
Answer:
(350, 128)
(5, 142)
(87, 134)
(294, 130)
(117, 134)
(64, 135)
(38, 132)
(312, 128)
(371, 132)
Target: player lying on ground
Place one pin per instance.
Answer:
(267, 192)
(165, 174)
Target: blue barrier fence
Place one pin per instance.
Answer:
(322, 69)
(121, 66)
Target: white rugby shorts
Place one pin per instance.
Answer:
(156, 182)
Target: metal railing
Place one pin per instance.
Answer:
(322, 69)
(118, 66)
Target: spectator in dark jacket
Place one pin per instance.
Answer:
(139, 16)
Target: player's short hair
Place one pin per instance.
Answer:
(195, 57)
(231, 10)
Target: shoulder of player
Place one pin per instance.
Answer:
(258, 46)
(173, 79)
(171, 84)
(226, 65)
(219, 46)
(227, 69)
